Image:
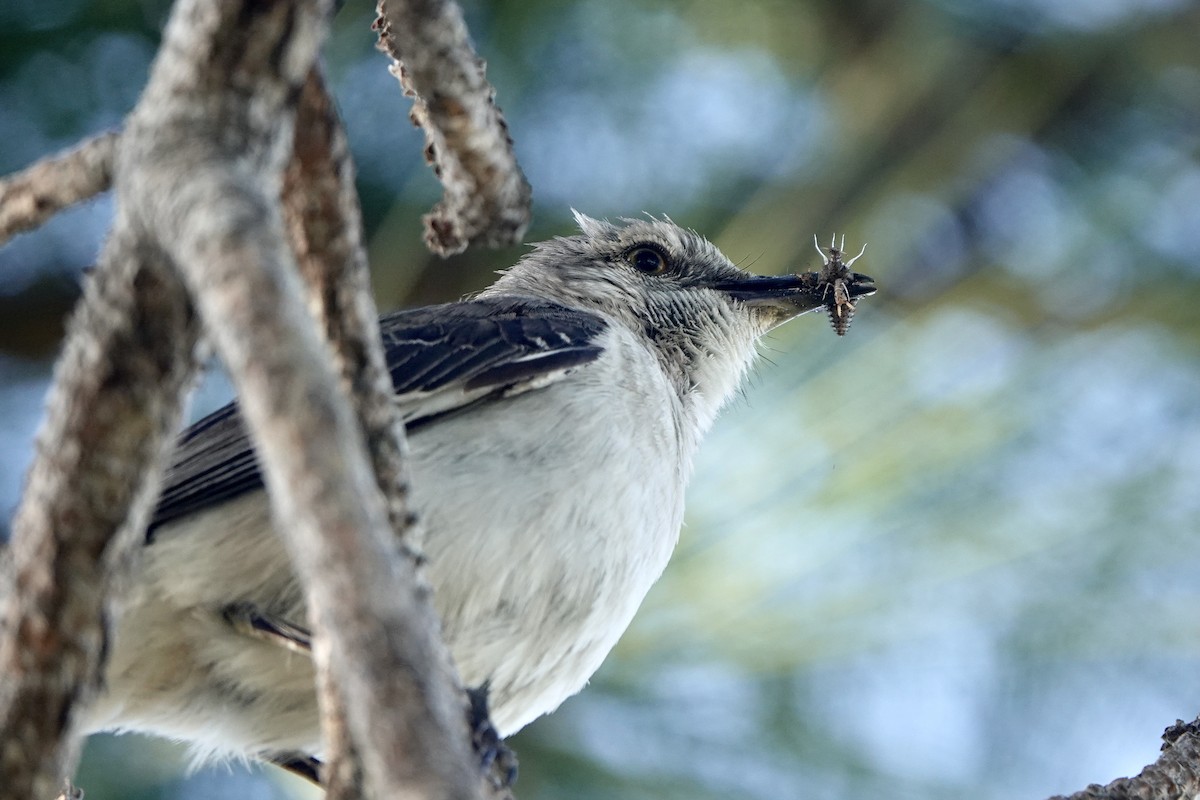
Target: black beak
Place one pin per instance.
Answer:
(794, 294)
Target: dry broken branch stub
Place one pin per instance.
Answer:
(34, 195)
(486, 197)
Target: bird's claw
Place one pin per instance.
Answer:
(496, 759)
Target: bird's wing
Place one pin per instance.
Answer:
(442, 360)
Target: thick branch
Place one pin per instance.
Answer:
(486, 197)
(1174, 776)
(211, 167)
(32, 196)
(114, 408)
(363, 598)
(323, 220)
(324, 225)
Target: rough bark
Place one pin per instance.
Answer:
(323, 221)
(34, 195)
(220, 103)
(198, 183)
(1174, 776)
(114, 407)
(486, 197)
(324, 226)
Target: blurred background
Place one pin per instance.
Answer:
(952, 554)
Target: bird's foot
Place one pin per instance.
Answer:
(250, 620)
(496, 759)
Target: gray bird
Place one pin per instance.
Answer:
(552, 422)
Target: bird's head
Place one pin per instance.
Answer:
(700, 314)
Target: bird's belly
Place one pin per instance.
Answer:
(546, 522)
(544, 530)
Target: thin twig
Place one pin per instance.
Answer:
(30, 197)
(486, 197)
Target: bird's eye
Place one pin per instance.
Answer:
(649, 260)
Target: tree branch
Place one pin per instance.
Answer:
(32, 196)
(486, 197)
(324, 226)
(210, 170)
(1174, 776)
(323, 221)
(113, 411)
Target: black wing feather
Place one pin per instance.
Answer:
(482, 344)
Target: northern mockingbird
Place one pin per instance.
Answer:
(552, 423)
